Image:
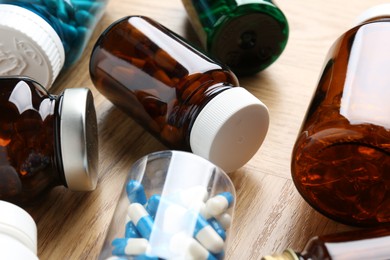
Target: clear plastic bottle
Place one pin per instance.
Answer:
(341, 159)
(40, 37)
(188, 206)
(351, 245)
(45, 140)
(185, 99)
(248, 36)
(18, 233)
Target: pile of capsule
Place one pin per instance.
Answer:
(209, 235)
(73, 20)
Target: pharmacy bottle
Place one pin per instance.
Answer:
(40, 37)
(45, 140)
(18, 233)
(185, 99)
(247, 35)
(351, 245)
(173, 205)
(341, 159)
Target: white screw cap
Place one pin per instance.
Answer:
(230, 129)
(18, 224)
(29, 46)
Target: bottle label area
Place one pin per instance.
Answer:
(366, 91)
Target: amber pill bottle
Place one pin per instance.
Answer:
(341, 159)
(45, 140)
(185, 99)
(351, 245)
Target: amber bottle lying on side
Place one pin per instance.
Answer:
(185, 99)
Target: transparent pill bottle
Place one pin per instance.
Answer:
(174, 205)
(40, 37)
(247, 35)
(185, 99)
(341, 159)
(351, 245)
(18, 233)
(45, 140)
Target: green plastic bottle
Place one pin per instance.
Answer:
(247, 35)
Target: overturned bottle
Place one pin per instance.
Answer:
(41, 37)
(185, 99)
(248, 36)
(341, 159)
(174, 205)
(45, 140)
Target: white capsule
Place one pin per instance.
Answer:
(225, 220)
(200, 206)
(141, 219)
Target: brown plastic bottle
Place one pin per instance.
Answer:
(352, 245)
(341, 159)
(185, 99)
(45, 140)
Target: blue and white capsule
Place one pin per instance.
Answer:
(131, 230)
(135, 192)
(152, 205)
(219, 203)
(141, 219)
(207, 236)
(217, 227)
(129, 246)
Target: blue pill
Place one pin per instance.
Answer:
(135, 192)
(131, 230)
(69, 31)
(90, 6)
(152, 205)
(83, 18)
(61, 11)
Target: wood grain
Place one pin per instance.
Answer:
(270, 214)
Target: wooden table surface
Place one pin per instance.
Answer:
(270, 215)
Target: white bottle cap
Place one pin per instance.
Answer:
(79, 141)
(29, 46)
(18, 224)
(230, 129)
(376, 11)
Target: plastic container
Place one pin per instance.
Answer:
(185, 99)
(45, 140)
(248, 36)
(174, 205)
(351, 245)
(341, 159)
(18, 233)
(40, 37)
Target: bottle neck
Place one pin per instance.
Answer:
(197, 102)
(57, 157)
